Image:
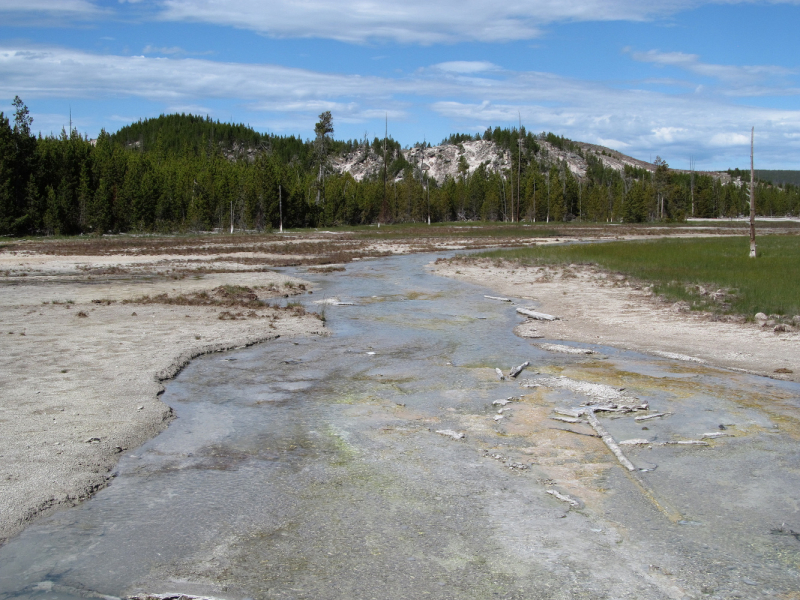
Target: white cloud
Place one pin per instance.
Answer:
(80, 8)
(727, 73)
(668, 134)
(640, 122)
(730, 139)
(465, 66)
(419, 21)
(412, 21)
(173, 51)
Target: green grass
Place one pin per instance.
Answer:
(768, 284)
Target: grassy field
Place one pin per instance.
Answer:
(768, 284)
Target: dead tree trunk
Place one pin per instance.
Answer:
(752, 199)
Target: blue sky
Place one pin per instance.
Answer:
(675, 78)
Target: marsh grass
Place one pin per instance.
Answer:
(768, 284)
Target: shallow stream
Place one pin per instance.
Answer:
(312, 468)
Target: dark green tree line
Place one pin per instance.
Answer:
(180, 172)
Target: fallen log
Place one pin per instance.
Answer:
(565, 498)
(500, 374)
(634, 442)
(655, 416)
(456, 435)
(568, 430)
(501, 299)
(716, 434)
(683, 443)
(536, 315)
(565, 349)
(567, 419)
(504, 401)
(608, 440)
(518, 369)
(568, 412)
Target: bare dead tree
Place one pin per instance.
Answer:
(752, 199)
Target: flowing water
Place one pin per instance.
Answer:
(312, 468)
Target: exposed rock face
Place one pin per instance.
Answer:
(442, 161)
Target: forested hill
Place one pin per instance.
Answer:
(190, 135)
(180, 134)
(180, 172)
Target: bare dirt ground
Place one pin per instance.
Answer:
(83, 361)
(595, 307)
(81, 368)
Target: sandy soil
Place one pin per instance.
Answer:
(80, 381)
(599, 308)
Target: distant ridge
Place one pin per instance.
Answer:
(778, 177)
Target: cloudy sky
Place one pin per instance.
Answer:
(675, 78)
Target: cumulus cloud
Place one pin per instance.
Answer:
(637, 121)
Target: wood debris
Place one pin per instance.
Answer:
(536, 315)
(456, 435)
(654, 416)
(567, 419)
(501, 299)
(518, 369)
(565, 498)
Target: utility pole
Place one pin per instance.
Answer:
(752, 199)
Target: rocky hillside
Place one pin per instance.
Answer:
(442, 161)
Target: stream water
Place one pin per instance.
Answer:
(312, 468)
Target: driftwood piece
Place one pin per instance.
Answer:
(567, 419)
(565, 498)
(624, 408)
(499, 374)
(536, 315)
(568, 412)
(501, 299)
(456, 435)
(716, 434)
(608, 440)
(655, 416)
(682, 443)
(518, 369)
(568, 430)
(634, 442)
(565, 349)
